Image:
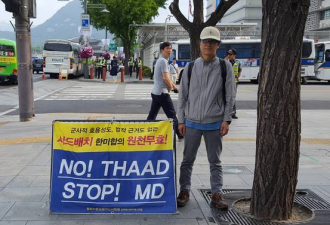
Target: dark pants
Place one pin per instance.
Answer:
(99, 72)
(164, 101)
(137, 72)
(130, 71)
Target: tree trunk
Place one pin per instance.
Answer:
(195, 28)
(194, 35)
(127, 47)
(279, 123)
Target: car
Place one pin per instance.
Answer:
(38, 65)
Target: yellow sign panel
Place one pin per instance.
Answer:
(7, 59)
(112, 136)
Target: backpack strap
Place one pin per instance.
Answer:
(224, 76)
(190, 66)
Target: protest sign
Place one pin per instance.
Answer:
(112, 167)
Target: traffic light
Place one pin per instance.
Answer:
(13, 6)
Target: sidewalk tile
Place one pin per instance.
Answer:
(30, 211)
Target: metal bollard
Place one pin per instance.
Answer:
(104, 74)
(140, 74)
(122, 75)
(91, 73)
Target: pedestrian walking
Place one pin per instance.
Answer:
(174, 71)
(204, 109)
(237, 68)
(162, 87)
(114, 69)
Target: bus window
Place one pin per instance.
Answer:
(6, 50)
(173, 55)
(184, 51)
(222, 51)
(319, 53)
(307, 49)
(327, 55)
(244, 51)
(60, 47)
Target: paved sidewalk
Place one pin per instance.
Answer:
(25, 158)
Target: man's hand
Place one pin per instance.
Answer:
(182, 129)
(224, 128)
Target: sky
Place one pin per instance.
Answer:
(47, 8)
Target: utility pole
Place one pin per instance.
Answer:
(23, 43)
(20, 10)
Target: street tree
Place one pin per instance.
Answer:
(279, 120)
(123, 16)
(195, 27)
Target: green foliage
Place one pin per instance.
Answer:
(122, 16)
(146, 71)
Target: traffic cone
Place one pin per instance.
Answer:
(43, 76)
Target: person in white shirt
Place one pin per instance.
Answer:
(174, 71)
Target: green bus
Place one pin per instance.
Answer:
(8, 61)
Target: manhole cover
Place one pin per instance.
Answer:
(304, 197)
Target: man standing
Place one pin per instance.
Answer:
(231, 57)
(138, 66)
(203, 111)
(174, 71)
(162, 86)
(130, 65)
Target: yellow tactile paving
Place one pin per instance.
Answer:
(27, 140)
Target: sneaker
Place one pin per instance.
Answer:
(183, 198)
(218, 202)
(234, 117)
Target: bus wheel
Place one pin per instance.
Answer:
(304, 80)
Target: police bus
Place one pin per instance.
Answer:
(322, 64)
(61, 54)
(8, 61)
(248, 53)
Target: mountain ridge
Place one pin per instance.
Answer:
(62, 25)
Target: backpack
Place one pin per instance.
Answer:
(223, 75)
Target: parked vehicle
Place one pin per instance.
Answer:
(8, 61)
(37, 65)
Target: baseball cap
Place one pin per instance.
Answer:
(210, 33)
(231, 52)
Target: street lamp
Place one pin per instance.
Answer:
(167, 18)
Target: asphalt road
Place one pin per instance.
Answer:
(136, 106)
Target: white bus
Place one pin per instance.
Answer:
(322, 64)
(61, 54)
(248, 53)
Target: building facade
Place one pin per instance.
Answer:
(244, 11)
(319, 16)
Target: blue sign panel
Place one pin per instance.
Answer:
(307, 62)
(113, 168)
(85, 22)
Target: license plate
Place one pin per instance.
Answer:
(38, 65)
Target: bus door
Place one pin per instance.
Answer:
(320, 64)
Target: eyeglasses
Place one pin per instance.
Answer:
(211, 41)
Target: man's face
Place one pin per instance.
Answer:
(231, 57)
(167, 51)
(209, 47)
(174, 61)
